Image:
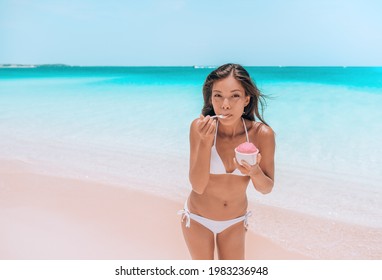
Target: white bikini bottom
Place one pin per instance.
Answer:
(214, 226)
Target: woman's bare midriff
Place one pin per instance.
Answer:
(224, 198)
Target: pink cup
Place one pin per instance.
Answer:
(250, 158)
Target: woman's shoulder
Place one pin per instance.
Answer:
(261, 130)
(193, 123)
(193, 126)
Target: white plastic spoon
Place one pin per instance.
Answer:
(218, 116)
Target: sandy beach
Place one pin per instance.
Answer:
(49, 217)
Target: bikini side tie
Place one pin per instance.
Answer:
(249, 214)
(185, 214)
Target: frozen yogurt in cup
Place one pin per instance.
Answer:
(246, 151)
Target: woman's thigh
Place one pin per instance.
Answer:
(231, 242)
(200, 241)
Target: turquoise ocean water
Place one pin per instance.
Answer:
(129, 126)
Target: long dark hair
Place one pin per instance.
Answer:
(241, 75)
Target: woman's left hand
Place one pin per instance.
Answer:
(247, 169)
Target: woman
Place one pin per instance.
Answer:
(217, 205)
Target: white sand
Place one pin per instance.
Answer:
(46, 217)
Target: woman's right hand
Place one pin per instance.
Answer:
(205, 127)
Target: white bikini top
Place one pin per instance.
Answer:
(216, 163)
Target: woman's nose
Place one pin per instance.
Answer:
(225, 104)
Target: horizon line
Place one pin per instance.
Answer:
(196, 66)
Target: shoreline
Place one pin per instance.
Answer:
(49, 217)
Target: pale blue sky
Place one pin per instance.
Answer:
(186, 32)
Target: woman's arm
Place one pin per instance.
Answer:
(262, 173)
(202, 133)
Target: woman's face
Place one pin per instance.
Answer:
(228, 98)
